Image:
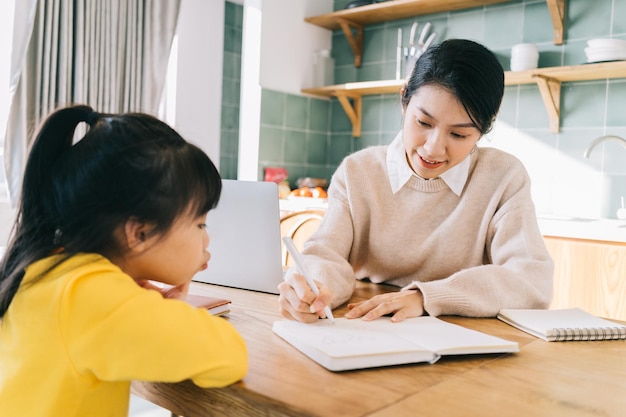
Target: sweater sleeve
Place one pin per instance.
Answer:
(327, 251)
(517, 270)
(118, 331)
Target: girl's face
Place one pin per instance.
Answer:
(175, 257)
(437, 131)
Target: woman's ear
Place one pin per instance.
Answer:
(136, 233)
(403, 106)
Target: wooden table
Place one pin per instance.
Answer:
(544, 379)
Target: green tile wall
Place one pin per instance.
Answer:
(310, 137)
(588, 109)
(295, 134)
(231, 77)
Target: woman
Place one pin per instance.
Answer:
(449, 222)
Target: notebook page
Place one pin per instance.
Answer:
(448, 338)
(347, 338)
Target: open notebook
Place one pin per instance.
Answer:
(355, 344)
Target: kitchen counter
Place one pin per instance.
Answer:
(302, 203)
(607, 230)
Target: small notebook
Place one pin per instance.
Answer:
(356, 344)
(216, 306)
(572, 324)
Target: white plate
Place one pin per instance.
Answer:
(604, 59)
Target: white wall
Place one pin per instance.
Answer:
(277, 54)
(287, 46)
(250, 91)
(199, 74)
(288, 43)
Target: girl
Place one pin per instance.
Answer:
(98, 219)
(451, 223)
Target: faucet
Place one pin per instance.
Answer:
(596, 141)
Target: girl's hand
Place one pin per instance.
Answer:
(402, 304)
(178, 292)
(298, 302)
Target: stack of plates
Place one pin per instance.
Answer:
(605, 50)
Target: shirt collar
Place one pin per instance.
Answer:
(400, 172)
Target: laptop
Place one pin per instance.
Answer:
(244, 232)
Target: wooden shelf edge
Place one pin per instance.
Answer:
(393, 10)
(363, 88)
(548, 80)
(584, 72)
(357, 17)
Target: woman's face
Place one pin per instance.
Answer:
(437, 131)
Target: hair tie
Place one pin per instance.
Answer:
(93, 118)
(58, 236)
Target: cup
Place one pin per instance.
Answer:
(524, 56)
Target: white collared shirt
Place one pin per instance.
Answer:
(400, 171)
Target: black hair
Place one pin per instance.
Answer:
(468, 70)
(74, 196)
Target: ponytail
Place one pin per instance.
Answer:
(126, 166)
(33, 234)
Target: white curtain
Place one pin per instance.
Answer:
(109, 54)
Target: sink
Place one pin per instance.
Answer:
(610, 230)
(564, 218)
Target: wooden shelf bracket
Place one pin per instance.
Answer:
(353, 110)
(550, 90)
(557, 13)
(354, 39)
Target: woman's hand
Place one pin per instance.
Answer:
(178, 292)
(402, 304)
(298, 302)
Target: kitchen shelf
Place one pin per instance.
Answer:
(548, 80)
(352, 21)
(350, 96)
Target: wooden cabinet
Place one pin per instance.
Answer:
(590, 275)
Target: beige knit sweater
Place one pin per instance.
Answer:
(470, 255)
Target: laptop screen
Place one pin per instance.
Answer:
(244, 233)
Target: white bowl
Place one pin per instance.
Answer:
(604, 50)
(609, 42)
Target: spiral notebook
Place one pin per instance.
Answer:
(571, 324)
